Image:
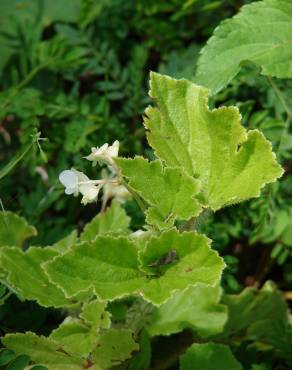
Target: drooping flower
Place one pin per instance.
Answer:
(104, 154)
(112, 189)
(76, 182)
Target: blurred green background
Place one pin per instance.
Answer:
(77, 71)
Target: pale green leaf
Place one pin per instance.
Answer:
(93, 313)
(113, 221)
(260, 33)
(14, 230)
(25, 276)
(114, 347)
(107, 265)
(232, 164)
(169, 191)
(44, 351)
(195, 308)
(209, 356)
(75, 337)
(178, 260)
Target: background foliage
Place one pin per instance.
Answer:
(77, 71)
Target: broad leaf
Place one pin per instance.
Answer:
(169, 191)
(44, 351)
(177, 261)
(66, 243)
(209, 356)
(14, 230)
(25, 276)
(113, 221)
(232, 164)
(196, 308)
(260, 33)
(114, 347)
(108, 265)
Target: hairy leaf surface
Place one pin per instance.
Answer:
(232, 164)
(195, 307)
(169, 191)
(260, 33)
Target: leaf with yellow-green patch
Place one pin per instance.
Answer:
(93, 313)
(211, 145)
(170, 192)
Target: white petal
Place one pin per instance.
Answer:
(69, 179)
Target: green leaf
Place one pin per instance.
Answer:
(108, 265)
(14, 230)
(169, 191)
(113, 221)
(114, 347)
(195, 307)
(209, 356)
(66, 243)
(25, 276)
(232, 164)
(75, 337)
(176, 261)
(93, 313)
(252, 306)
(44, 351)
(260, 33)
(19, 363)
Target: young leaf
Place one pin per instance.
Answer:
(93, 313)
(209, 356)
(169, 191)
(260, 33)
(231, 164)
(44, 351)
(108, 265)
(14, 230)
(178, 260)
(114, 347)
(113, 221)
(26, 277)
(195, 307)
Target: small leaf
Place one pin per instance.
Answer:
(14, 230)
(169, 191)
(93, 313)
(19, 363)
(26, 277)
(43, 350)
(232, 164)
(209, 356)
(114, 347)
(260, 33)
(196, 308)
(6, 356)
(113, 221)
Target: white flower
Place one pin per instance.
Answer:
(113, 189)
(76, 182)
(104, 154)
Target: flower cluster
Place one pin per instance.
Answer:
(76, 182)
